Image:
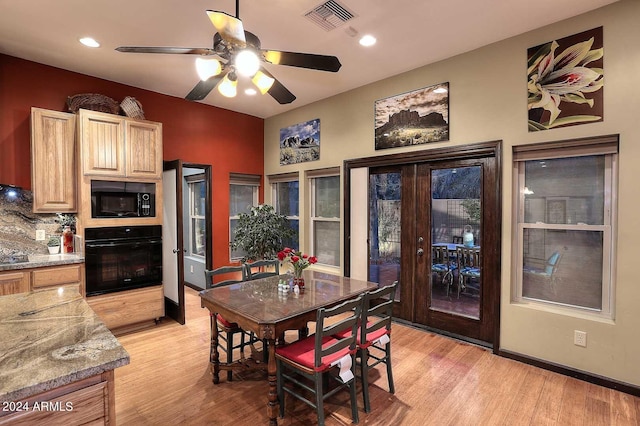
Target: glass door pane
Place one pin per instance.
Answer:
(384, 228)
(455, 223)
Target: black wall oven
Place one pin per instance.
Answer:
(122, 258)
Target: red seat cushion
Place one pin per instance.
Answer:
(303, 352)
(226, 323)
(371, 337)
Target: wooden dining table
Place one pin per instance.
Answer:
(259, 306)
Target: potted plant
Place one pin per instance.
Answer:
(54, 244)
(261, 233)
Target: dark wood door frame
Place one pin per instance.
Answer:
(492, 205)
(173, 310)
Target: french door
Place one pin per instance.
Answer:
(450, 203)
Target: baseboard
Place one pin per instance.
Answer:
(577, 374)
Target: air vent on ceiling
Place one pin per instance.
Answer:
(329, 15)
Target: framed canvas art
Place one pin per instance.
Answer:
(300, 142)
(566, 81)
(413, 118)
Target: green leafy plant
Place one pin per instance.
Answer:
(54, 241)
(261, 233)
(66, 220)
(472, 207)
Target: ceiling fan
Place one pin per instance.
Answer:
(239, 52)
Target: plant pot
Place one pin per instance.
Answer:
(54, 249)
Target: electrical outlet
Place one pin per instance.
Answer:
(40, 235)
(580, 338)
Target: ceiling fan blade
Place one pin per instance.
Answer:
(278, 91)
(170, 50)
(229, 27)
(203, 88)
(303, 60)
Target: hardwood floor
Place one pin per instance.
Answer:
(439, 381)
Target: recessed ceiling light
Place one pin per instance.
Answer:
(250, 91)
(368, 40)
(89, 42)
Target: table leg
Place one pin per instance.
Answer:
(273, 404)
(213, 351)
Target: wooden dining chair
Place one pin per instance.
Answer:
(469, 269)
(227, 330)
(442, 264)
(374, 339)
(316, 357)
(262, 269)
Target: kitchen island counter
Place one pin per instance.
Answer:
(52, 339)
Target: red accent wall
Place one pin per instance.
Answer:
(192, 132)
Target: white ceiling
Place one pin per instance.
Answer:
(410, 33)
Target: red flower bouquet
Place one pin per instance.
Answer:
(297, 259)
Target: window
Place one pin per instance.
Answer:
(325, 219)
(197, 226)
(243, 194)
(286, 198)
(566, 223)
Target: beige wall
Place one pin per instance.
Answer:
(488, 102)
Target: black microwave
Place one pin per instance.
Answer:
(122, 204)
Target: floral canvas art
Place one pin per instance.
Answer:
(565, 81)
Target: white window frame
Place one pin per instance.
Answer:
(313, 219)
(242, 180)
(606, 146)
(191, 181)
(274, 181)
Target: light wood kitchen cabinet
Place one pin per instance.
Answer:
(53, 169)
(59, 276)
(87, 401)
(144, 149)
(119, 147)
(128, 310)
(36, 279)
(101, 144)
(12, 282)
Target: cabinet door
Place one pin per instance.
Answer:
(53, 167)
(144, 149)
(103, 152)
(14, 282)
(59, 276)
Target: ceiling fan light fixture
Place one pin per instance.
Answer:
(247, 63)
(207, 68)
(262, 81)
(229, 85)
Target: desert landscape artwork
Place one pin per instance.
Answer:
(413, 118)
(300, 142)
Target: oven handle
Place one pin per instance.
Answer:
(128, 243)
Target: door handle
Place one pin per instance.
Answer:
(420, 252)
(176, 251)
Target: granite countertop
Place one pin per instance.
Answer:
(43, 260)
(51, 338)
